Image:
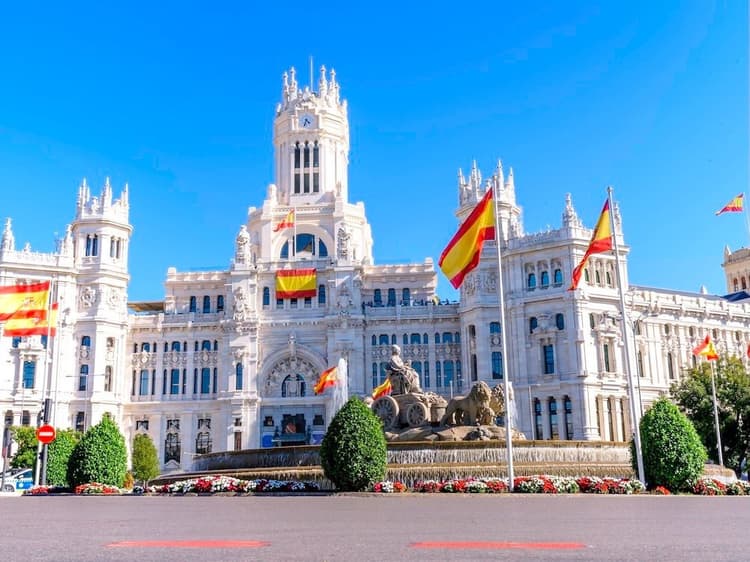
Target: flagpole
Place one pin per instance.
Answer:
(626, 340)
(42, 449)
(716, 416)
(294, 235)
(503, 331)
(747, 215)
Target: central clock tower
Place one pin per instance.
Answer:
(311, 141)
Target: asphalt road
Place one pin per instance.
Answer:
(369, 527)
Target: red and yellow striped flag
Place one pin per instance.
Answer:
(286, 222)
(707, 349)
(461, 255)
(327, 378)
(17, 298)
(601, 241)
(295, 283)
(32, 322)
(383, 389)
(736, 205)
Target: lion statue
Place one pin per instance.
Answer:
(470, 409)
(497, 400)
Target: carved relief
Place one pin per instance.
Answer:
(87, 297)
(342, 243)
(290, 366)
(240, 308)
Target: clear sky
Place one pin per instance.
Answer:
(177, 99)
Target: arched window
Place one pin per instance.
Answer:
(238, 376)
(206, 345)
(172, 447)
(608, 277)
(378, 297)
(405, 297)
(533, 324)
(447, 337)
(220, 303)
(598, 277)
(415, 339)
(322, 249)
(86, 341)
(384, 339)
(175, 346)
(216, 345)
(736, 285)
(557, 277)
(494, 327)
(587, 275)
(266, 296)
(374, 340)
(744, 283)
(293, 386)
(321, 294)
(497, 365)
(548, 353)
(143, 383)
(193, 304)
(425, 339)
(560, 321)
(437, 337)
(393, 339)
(531, 281)
(670, 366)
(545, 279)
(145, 346)
(206, 304)
(457, 337)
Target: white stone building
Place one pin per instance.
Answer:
(222, 364)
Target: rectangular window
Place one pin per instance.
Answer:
(29, 374)
(237, 440)
(497, 365)
(174, 381)
(605, 353)
(549, 359)
(205, 380)
(108, 378)
(553, 427)
(80, 421)
(306, 183)
(297, 182)
(316, 183)
(143, 383)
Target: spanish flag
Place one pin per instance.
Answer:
(707, 349)
(601, 241)
(461, 255)
(31, 322)
(327, 378)
(736, 205)
(286, 222)
(383, 389)
(295, 283)
(23, 298)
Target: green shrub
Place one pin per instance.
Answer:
(353, 453)
(673, 455)
(58, 455)
(100, 456)
(26, 443)
(145, 459)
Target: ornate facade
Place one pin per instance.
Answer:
(221, 363)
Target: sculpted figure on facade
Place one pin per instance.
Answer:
(88, 295)
(343, 239)
(242, 246)
(239, 307)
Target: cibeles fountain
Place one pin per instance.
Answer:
(429, 437)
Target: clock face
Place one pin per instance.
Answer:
(306, 121)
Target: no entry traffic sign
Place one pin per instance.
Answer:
(45, 434)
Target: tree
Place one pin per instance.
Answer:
(673, 455)
(693, 395)
(353, 452)
(100, 456)
(58, 455)
(145, 459)
(25, 438)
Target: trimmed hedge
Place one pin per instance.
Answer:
(353, 452)
(100, 456)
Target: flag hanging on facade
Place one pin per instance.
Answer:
(461, 255)
(24, 298)
(286, 222)
(601, 241)
(748, 351)
(736, 205)
(327, 378)
(707, 349)
(295, 283)
(383, 389)
(32, 322)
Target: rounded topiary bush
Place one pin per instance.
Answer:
(353, 453)
(673, 455)
(99, 456)
(58, 456)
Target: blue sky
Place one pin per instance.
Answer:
(177, 99)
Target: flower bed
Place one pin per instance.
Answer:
(94, 488)
(227, 484)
